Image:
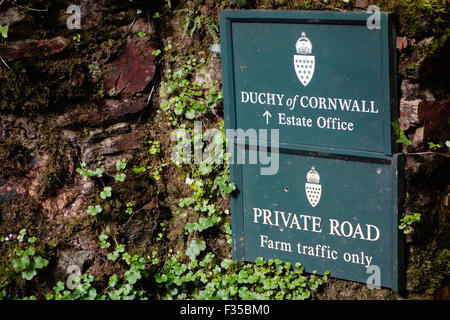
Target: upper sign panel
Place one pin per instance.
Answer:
(323, 79)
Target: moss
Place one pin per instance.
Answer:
(14, 158)
(56, 172)
(21, 90)
(33, 85)
(20, 212)
(50, 180)
(421, 18)
(430, 268)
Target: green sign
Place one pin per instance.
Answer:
(324, 82)
(323, 79)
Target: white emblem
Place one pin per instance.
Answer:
(303, 61)
(312, 187)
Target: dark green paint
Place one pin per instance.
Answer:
(351, 62)
(357, 192)
(359, 170)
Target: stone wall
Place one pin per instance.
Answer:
(92, 94)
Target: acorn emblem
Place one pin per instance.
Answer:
(304, 62)
(312, 187)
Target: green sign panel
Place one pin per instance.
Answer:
(323, 79)
(315, 92)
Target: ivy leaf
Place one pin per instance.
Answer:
(4, 30)
(32, 240)
(29, 274)
(113, 280)
(190, 114)
(40, 262)
(259, 261)
(204, 168)
(94, 210)
(121, 164)
(226, 263)
(179, 108)
(120, 177)
(403, 139)
(139, 170)
(106, 193)
(191, 227)
(21, 235)
(160, 278)
(195, 248)
(132, 276)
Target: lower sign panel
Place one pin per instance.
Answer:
(328, 214)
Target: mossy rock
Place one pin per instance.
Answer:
(14, 158)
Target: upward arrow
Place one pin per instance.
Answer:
(267, 115)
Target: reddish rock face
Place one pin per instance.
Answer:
(133, 69)
(121, 143)
(25, 49)
(119, 109)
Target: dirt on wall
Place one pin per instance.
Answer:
(93, 96)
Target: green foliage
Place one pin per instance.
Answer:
(137, 266)
(94, 210)
(129, 209)
(84, 291)
(419, 16)
(26, 260)
(121, 164)
(77, 37)
(187, 98)
(4, 31)
(154, 147)
(429, 269)
(432, 11)
(103, 237)
(194, 21)
(195, 248)
(400, 133)
(407, 221)
(98, 172)
(240, 3)
(141, 169)
(116, 253)
(120, 177)
(210, 279)
(120, 287)
(106, 193)
(202, 224)
(432, 145)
